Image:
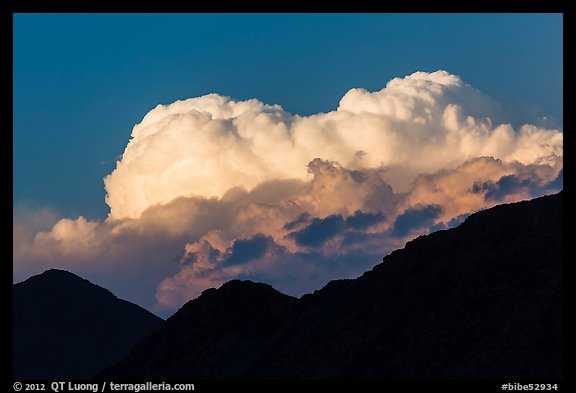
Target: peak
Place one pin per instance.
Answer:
(55, 276)
(59, 273)
(241, 292)
(238, 288)
(62, 283)
(244, 300)
(245, 284)
(66, 327)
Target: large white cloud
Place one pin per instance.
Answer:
(209, 189)
(422, 123)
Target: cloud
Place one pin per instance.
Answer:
(208, 145)
(26, 223)
(210, 189)
(319, 231)
(361, 220)
(304, 218)
(415, 217)
(517, 183)
(246, 250)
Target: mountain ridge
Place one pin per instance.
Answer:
(479, 301)
(66, 327)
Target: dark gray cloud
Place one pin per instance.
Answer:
(320, 231)
(450, 224)
(246, 250)
(361, 220)
(512, 184)
(415, 217)
(304, 218)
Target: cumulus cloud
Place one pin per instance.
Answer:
(208, 145)
(209, 189)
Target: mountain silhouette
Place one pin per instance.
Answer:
(480, 301)
(215, 335)
(65, 327)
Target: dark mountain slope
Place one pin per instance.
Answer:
(480, 301)
(215, 336)
(66, 327)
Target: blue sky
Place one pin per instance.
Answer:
(81, 82)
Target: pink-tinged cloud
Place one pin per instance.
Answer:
(210, 189)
